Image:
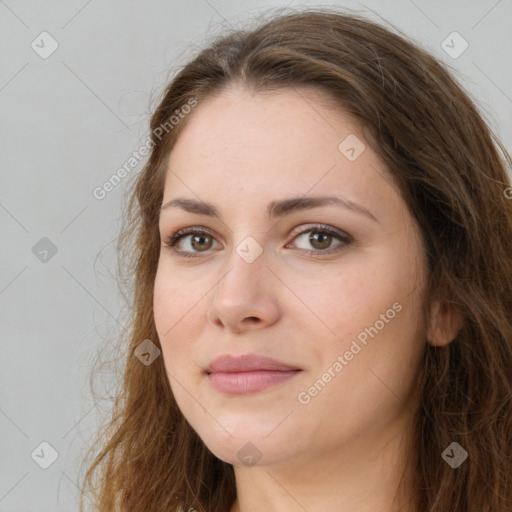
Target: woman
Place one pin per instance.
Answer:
(321, 243)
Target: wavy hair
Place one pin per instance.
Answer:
(450, 169)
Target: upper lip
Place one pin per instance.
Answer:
(247, 363)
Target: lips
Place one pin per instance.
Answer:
(248, 373)
(247, 363)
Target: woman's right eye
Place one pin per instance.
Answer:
(196, 243)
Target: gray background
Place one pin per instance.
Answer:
(67, 123)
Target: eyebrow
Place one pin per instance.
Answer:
(274, 209)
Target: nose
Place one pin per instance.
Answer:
(245, 298)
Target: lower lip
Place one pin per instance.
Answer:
(242, 383)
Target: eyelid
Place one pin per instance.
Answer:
(318, 226)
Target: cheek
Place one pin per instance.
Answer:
(348, 299)
(376, 305)
(176, 309)
(174, 300)
(164, 307)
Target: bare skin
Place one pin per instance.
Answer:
(343, 446)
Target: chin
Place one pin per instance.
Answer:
(246, 446)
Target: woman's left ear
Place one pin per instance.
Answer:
(445, 323)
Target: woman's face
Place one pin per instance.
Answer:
(334, 292)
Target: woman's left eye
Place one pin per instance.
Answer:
(320, 237)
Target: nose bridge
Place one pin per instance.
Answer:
(245, 290)
(245, 266)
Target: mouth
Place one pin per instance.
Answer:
(239, 375)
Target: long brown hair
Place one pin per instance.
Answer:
(451, 171)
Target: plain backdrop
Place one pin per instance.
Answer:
(78, 80)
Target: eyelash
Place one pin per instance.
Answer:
(346, 240)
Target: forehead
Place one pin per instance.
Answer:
(288, 122)
(284, 142)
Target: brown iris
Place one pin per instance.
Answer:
(200, 239)
(318, 237)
